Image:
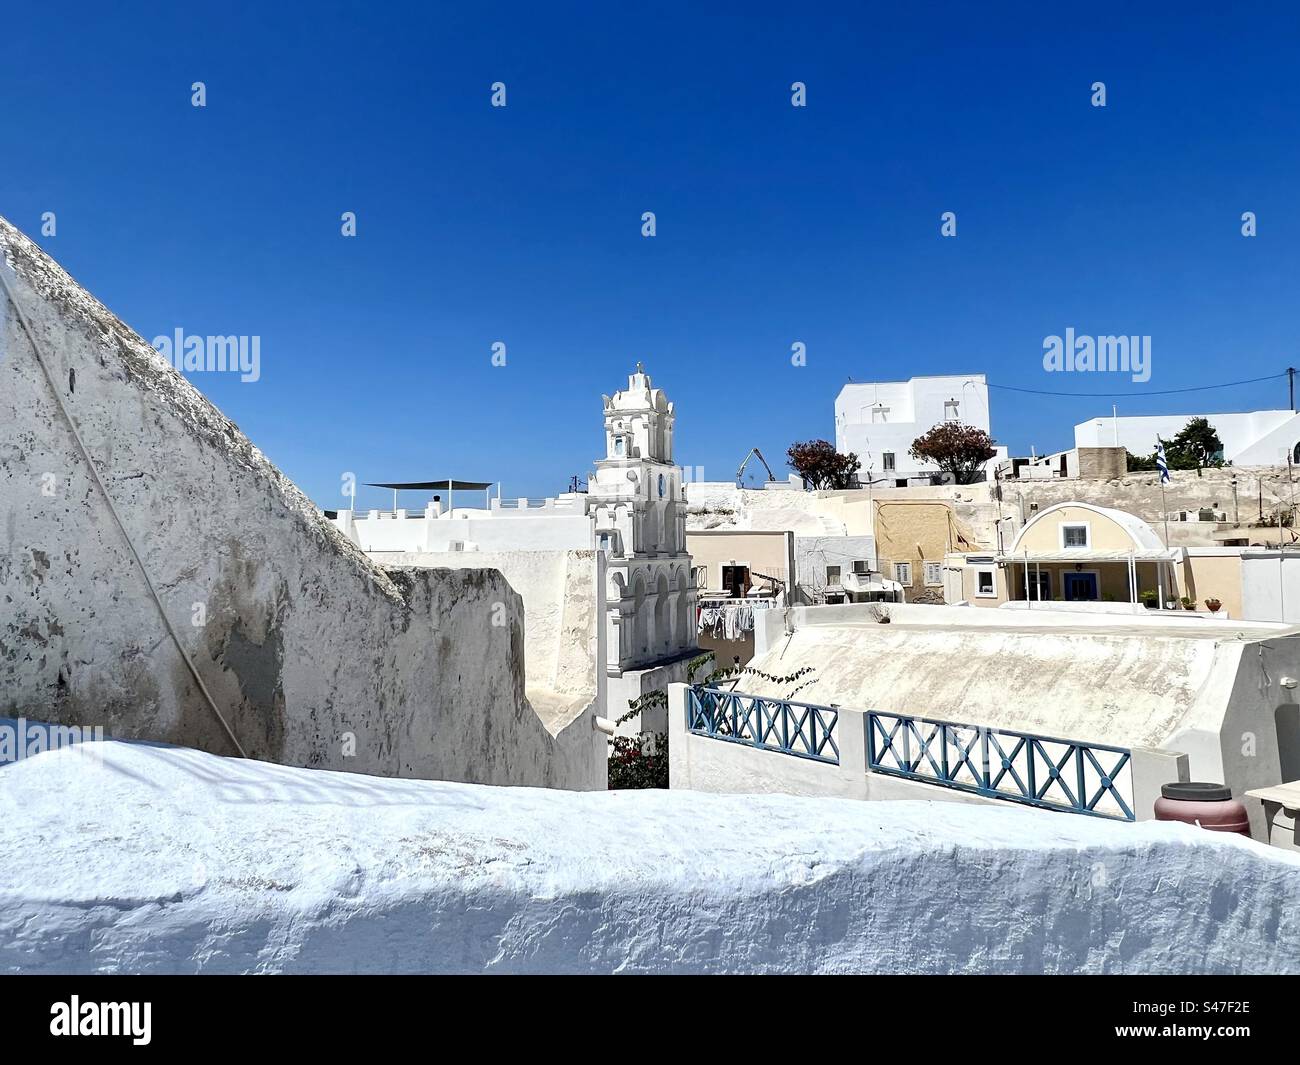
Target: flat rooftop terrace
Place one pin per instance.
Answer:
(1172, 623)
(1125, 680)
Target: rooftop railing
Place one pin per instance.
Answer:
(1043, 771)
(801, 729)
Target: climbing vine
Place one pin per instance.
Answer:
(738, 671)
(642, 761)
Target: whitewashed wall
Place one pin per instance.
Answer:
(1253, 438)
(1270, 585)
(306, 646)
(539, 529)
(913, 408)
(704, 763)
(563, 598)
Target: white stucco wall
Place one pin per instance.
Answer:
(562, 597)
(1252, 438)
(1270, 584)
(913, 408)
(171, 861)
(706, 763)
(1188, 685)
(534, 529)
(306, 646)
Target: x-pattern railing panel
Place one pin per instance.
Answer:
(1043, 771)
(802, 729)
(1086, 778)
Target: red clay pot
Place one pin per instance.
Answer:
(1209, 806)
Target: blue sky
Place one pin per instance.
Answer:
(775, 224)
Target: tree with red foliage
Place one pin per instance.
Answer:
(960, 450)
(818, 463)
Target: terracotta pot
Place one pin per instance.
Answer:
(1209, 806)
(1213, 605)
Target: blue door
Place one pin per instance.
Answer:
(1079, 587)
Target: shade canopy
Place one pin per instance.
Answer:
(446, 482)
(1083, 554)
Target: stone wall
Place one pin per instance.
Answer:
(1102, 463)
(1139, 492)
(313, 655)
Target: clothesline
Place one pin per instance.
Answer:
(729, 619)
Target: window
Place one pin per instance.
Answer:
(618, 445)
(934, 573)
(888, 459)
(1074, 535)
(832, 575)
(985, 587)
(950, 411)
(861, 566)
(903, 573)
(661, 486)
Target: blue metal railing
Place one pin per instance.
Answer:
(801, 729)
(1056, 774)
(1043, 771)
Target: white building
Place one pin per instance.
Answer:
(633, 513)
(1171, 694)
(1256, 438)
(879, 421)
(563, 523)
(636, 494)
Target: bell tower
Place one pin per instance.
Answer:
(639, 422)
(636, 493)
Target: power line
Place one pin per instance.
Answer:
(1127, 395)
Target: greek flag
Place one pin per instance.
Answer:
(1162, 464)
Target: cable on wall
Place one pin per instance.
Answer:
(112, 508)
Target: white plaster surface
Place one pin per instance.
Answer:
(304, 642)
(549, 528)
(562, 610)
(1262, 437)
(136, 858)
(1126, 681)
(910, 409)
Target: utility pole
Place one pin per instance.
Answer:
(997, 492)
(1290, 380)
(1281, 543)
